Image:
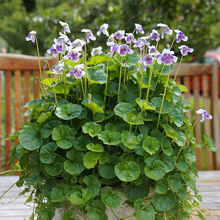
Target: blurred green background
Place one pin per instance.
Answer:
(198, 19)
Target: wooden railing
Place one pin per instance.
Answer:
(19, 83)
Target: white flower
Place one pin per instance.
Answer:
(96, 51)
(103, 29)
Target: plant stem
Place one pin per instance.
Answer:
(39, 64)
(186, 139)
(164, 93)
(85, 67)
(64, 80)
(172, 43)
(54, 91)
(165, 217)
(119, 83)
(82, 89)
(7, 190)
(181, 59)
(125, 75)
(106, 85)
(114, 214)
(130, 127)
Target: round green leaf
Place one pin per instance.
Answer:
(129, 139)
(110, 197)
(166, 146)
(144, 105)
(167, 106)
(93, 184)
(127, 171)
(90, 159)
(68, 111)
(121, 108)
(73, 168)
(47, 154)
(175, 182)
(95, 147)
(110, 137)
(54, 168)
(59, 192)
(164, 202)
(106, 171)
(161, 186)
(155, 170)
(151, 145)
(64, 136)
(91, 128)
(30, 137)
(96, 75)
(133, 119)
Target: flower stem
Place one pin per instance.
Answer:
(125, 73)
(85, 69)
(130, 128)
(64, 80)
(39, 64)
(181, 59)
(164, 93)
(114, 214)
(106, 85)
(54, 91)
(82, 89)
(119, 83)
(186, 139)
(172, 43)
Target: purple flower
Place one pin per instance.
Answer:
(31, 36)
(65, 38)
(113, 47)
(89, 35)
(130, 38)
(147, 60)
(52, 50)
(184, 50)
(165, 29)
(124, 49)
(77, 71)
(78, 43)
(59, 67)
(154, 35)
(59, 45)
(103, 29)
(96, 51)
(139, 29)
(141, 42)
(119, 35)
(204, 114)
(166, 57)
(73, 54)
(65, 26)
(151, 49)
(180, 36)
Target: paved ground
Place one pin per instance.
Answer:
(12, 205)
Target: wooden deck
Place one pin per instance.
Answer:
(12, 205)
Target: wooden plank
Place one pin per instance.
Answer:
(7, 116)
(0, 121)
(17, 110)
(36, 85)
(207, 125)
(197, 126)
(178, 80)
(26, 89)
(186, 82)
(23, 62)
(214, 107)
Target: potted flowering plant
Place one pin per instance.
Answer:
(110, 131)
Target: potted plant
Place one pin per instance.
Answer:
(110, 131)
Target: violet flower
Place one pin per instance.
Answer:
(78, 43)
(60, 45)
(103, 30)
(59, 67)
(52, 50)
(165, 29)
(77, 71)
(73, 54)
(119, 35)
(151, 49)
(154, 35)
(113, 47)
(65, 38)
(130, 38)
(31, 36)
(147, 60)
(124, 49)
(139, 29)
(89, 35)
(96, 51)
(204, 114)
(184, 50)
(167, 57)
(65, 26)
(141, 42)
(180, 36)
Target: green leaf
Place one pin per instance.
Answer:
(106, 171)
(49, 81)
(175, 182)
(96, 75)
(68, 215)
(208, 142)
(110, 197)
(190, 154)
(157, 101)
(151, 145)
(47, 154)
(182, 165)
(133, 119)
(98, 59)
(131, 59)
(81, 142)
(143, 211)
(155, 170)
(93, 106)
(48, 127)
(93, 184)
(91, 128)
(166, 146)
(129, 139)
(122, 108)
(54, 168)
(164, 202)
(43, 117)
(110, 137)
(68, 111)
(161, 186)
(144, 105)
(64, 136)
(30, 137)
(95, 147)
(127, 171)
(90, 159)
(59, 192)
